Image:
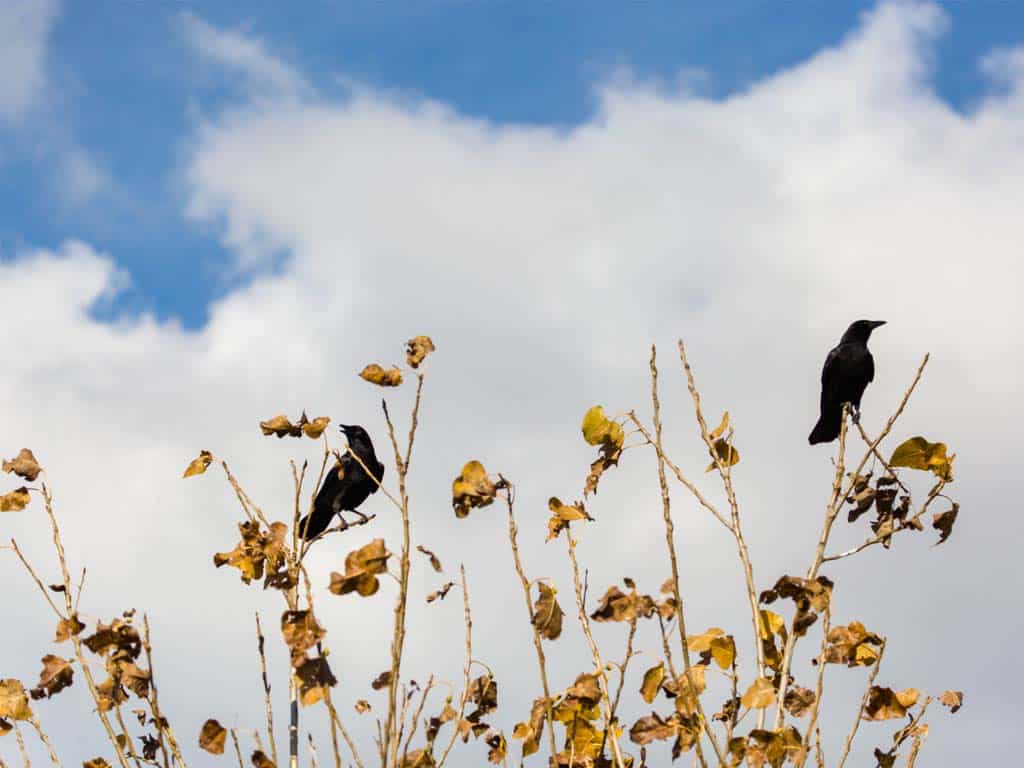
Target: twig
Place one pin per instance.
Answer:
(863, 703)
(35, 577)
(819, 689)
(163, 728)
(21, 746)
(75, 639)
(594, 651)
(401, 604)
(238, 750)
(725, 472)
(416, 717)
(622, 680)
(252, 511)
(313, 762)
(345, 735)
(914, 720)
(260, 641)
(933, 494)
(127, 737)
(46, 740)
(468, 619)
(513, 537)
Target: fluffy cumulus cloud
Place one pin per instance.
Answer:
(544, 263)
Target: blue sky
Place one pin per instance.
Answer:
(127, 90)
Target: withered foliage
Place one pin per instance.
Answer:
(708, 693)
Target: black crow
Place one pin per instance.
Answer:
(346, 486)
(848, 370)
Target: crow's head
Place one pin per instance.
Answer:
(860, 330)
(357, 437)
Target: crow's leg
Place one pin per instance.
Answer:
(362, 518)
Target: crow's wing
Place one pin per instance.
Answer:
(831, 375)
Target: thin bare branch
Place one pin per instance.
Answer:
(468, 619)
(238, 750)
(513, 537)
(45, 740)
(860, 710)
(268, 704)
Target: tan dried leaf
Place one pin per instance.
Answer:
(96, 762)
(363, 706)
(24, 465)
(472, 489)
(952, 699)
(652, 681)
(759, 695)
(547, 613)
(301, 631)
(798, 701)
(435, 563)
(383, 680)
(14, 700)
(199, 464)
(66, 628)
(417, 349)
(887, 704)
(212, 737)
(651, 728)
(361, 569)
(57, 675)
(943, 522)
(313, 429)
(374, 374)
(280, 426)
(15, 501)
(563, 514)
(260, 760)
(314, 677)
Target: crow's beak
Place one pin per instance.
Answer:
(345, 427)
(877, 323)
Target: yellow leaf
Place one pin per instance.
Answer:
(199, 464)
(702, 643)
(723, 651)
(472, 489)
(918, 453)
(316, 427)
(362, 567)
(651, 684)
(726, 453)
(759, 695)
(374, 374)
(771, 624)
(15, 501)
(598, 428)
(417, 349)
(718, 431)
(952, 699)
(14, 700)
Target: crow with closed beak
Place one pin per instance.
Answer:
(346, 486)
(848, 370)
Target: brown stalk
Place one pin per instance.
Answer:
(313, 761)
(826, 625)
(260, 641)
(345, 735)
(916, 746)
(127, 737)
(163, 728)
(725, 472)
(468, 619)
(513, 537)
(622, 681)
(398, 636)
(238, 750)
(45, 740)
(594, 651)
(666, 508)
(416, 717)
(21, 746)
(860, 710)
(75, 639)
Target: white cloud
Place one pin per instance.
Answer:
(543, 263)
(24, 28)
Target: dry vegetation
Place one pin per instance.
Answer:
(702, 700)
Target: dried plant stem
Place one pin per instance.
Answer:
(345, 735)
(622, 680)
(127, 737)
(819, 688)
(513, 537)
(2, 763)
(21, 746)
(75, 640)
(414, 724)
(916, 746)
(860, 710)
(725, 472)
(252, 511)
(333, 720)
(238, 750)
(45, 740)
(468, 619)
(594, 651)
(260, 641)
(293, 722)
(313, 761)
(391, 727)
(163, 728)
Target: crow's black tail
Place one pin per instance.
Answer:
(827, 428)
